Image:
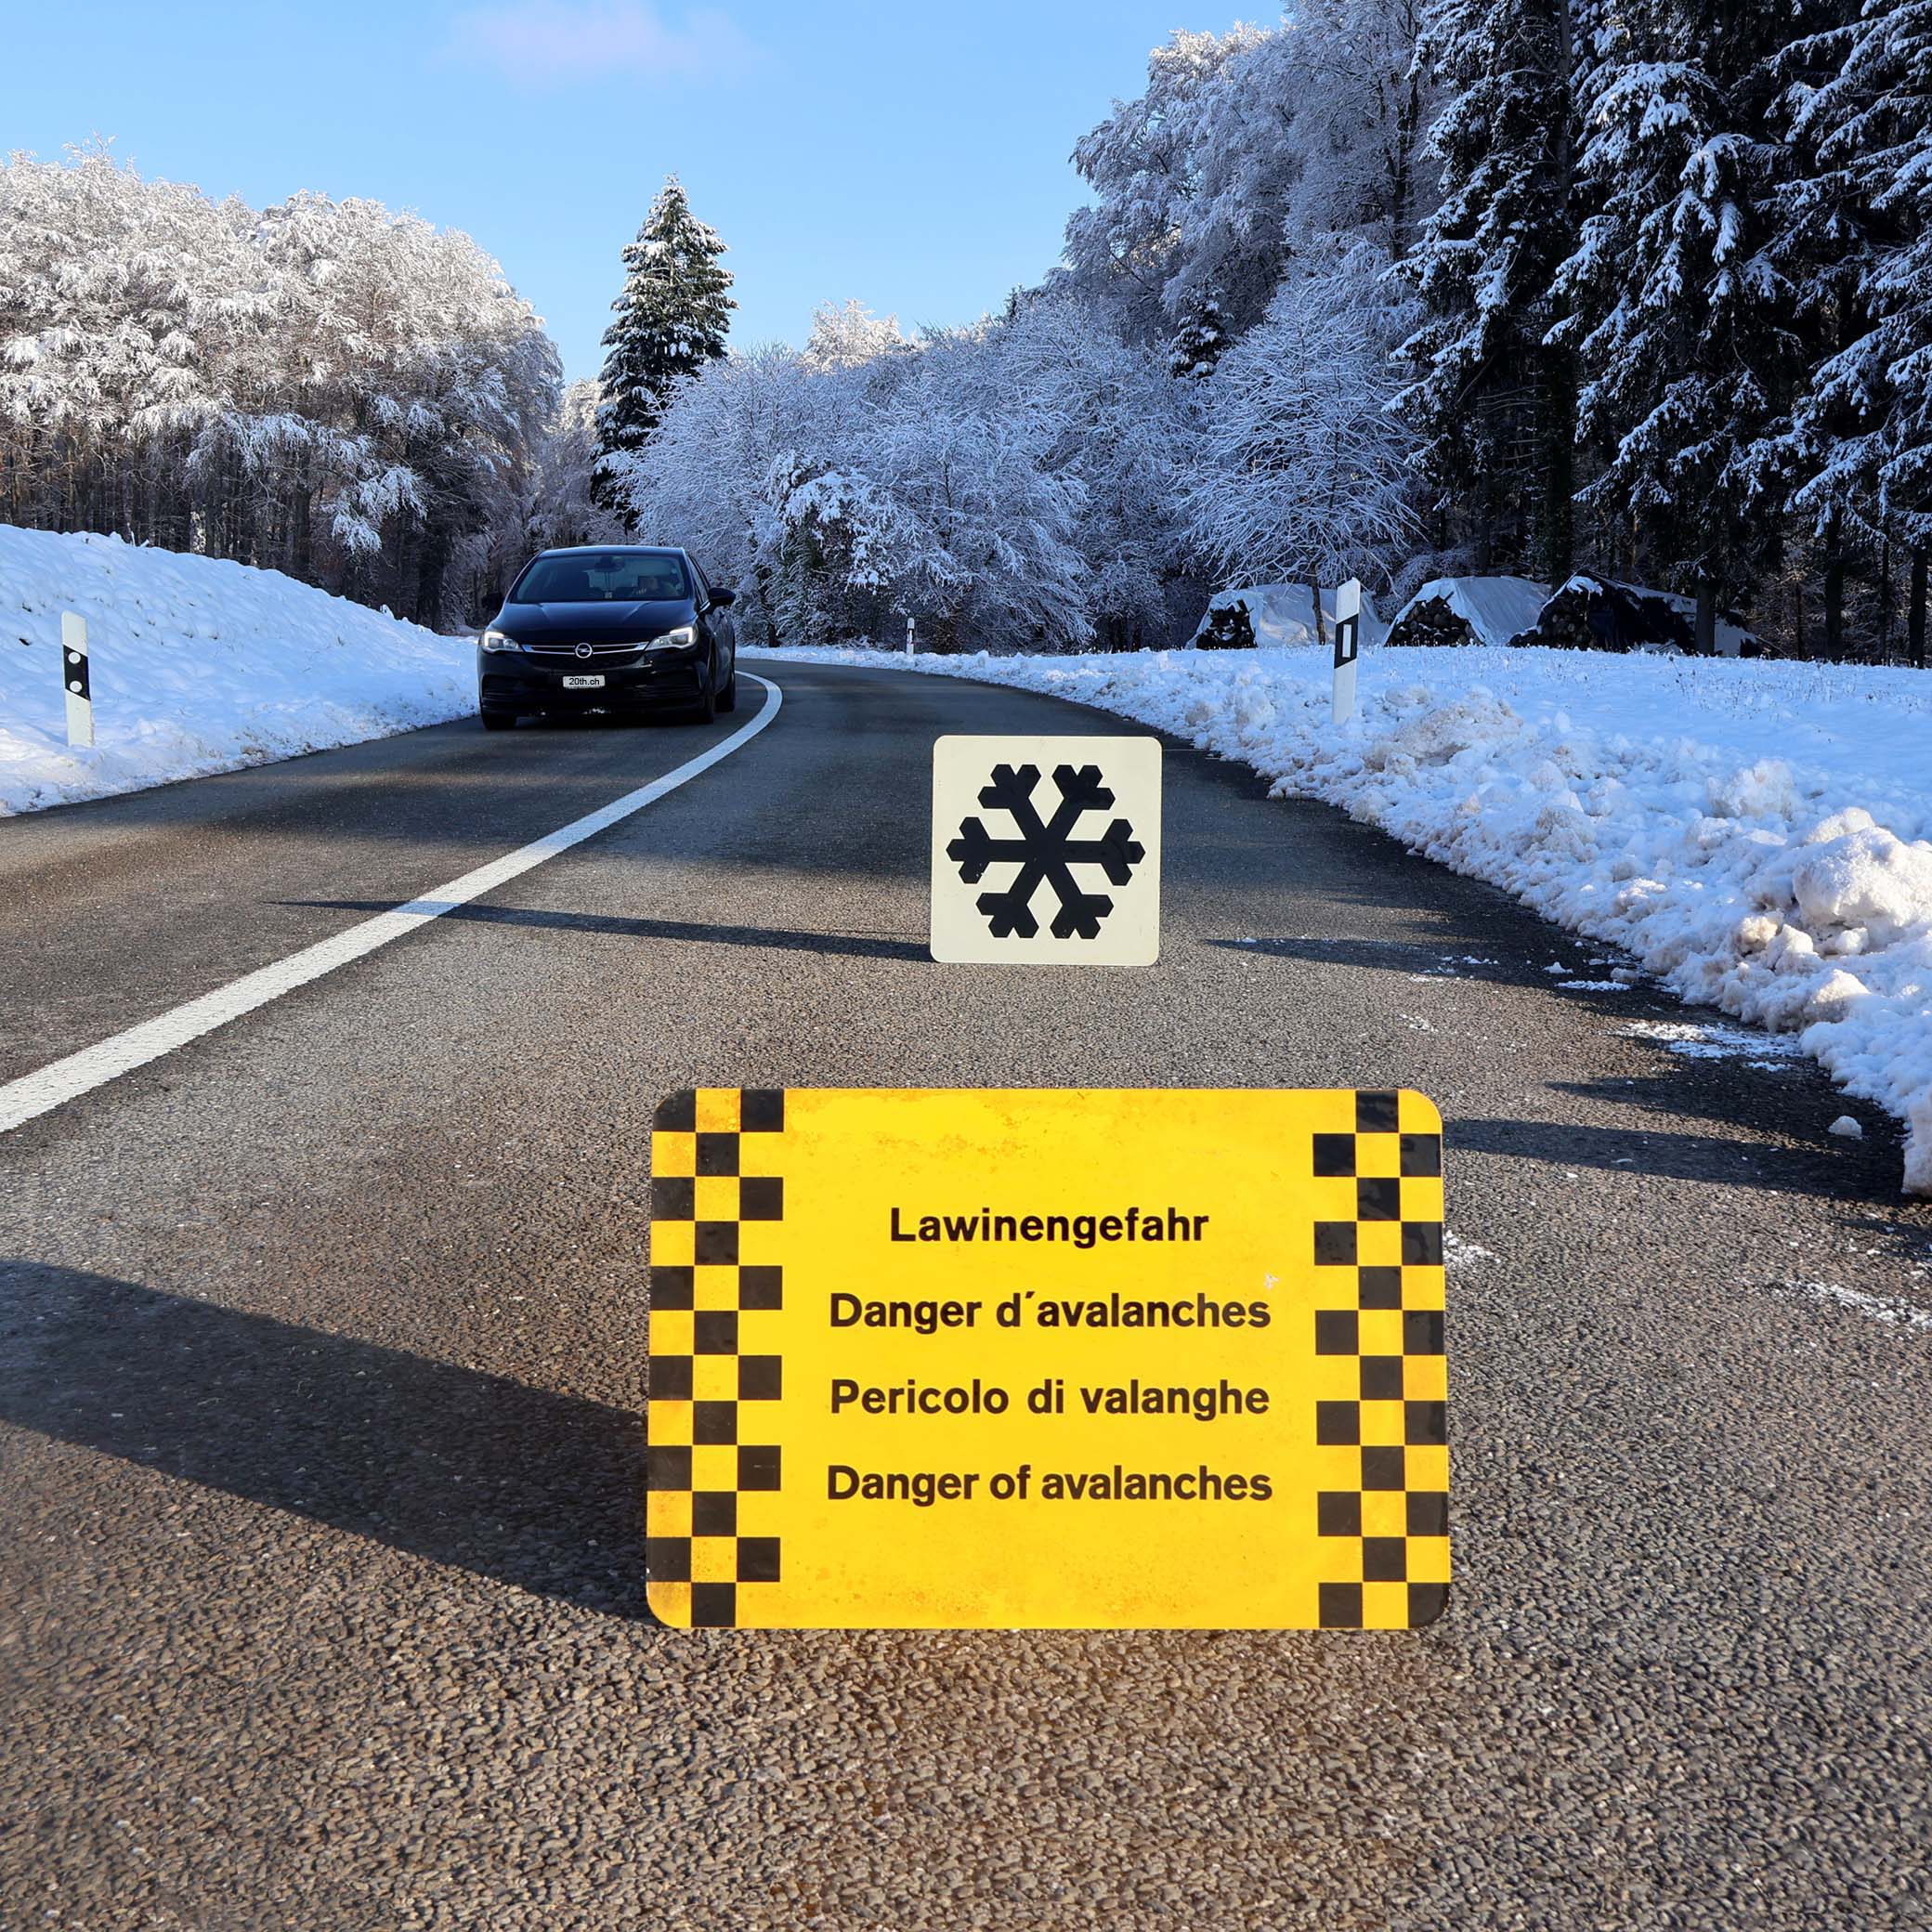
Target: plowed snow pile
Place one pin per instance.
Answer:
(1755, 833)
(197, 665)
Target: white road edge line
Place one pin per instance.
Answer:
(52, 1086)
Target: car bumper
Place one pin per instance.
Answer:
(517, 684)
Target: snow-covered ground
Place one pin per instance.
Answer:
(197, 665)
(1755, 833)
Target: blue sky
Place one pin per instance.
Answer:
(910, 155)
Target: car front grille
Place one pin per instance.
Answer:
(567, 653)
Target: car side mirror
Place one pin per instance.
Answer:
(725, 599)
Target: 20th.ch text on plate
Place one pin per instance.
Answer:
(1030, 1358)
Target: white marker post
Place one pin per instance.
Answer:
(74, 679)
(1348, 648)
(909, 637)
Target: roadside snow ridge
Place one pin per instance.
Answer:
(198, 665)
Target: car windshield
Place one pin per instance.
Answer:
(591, 577)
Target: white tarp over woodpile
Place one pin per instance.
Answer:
(1284, 613)
(1496, 610)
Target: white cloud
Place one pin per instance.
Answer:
(548, 41)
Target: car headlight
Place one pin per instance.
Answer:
(682, 639)
(498, 641)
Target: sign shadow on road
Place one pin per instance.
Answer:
(521, 1484)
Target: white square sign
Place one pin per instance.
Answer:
(1046, 851)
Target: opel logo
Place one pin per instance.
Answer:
(583, 650)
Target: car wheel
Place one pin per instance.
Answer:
(706, 708)
(728, 697)
(497, 721)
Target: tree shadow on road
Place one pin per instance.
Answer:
(1671, 1152)
(1777, 1115)
(857, 946)
(542, 1491)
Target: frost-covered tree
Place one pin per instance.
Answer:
(960, 511)
(1141, 165)
(1493, 396)
(564, 507)
(673, 316)
(323, 386)
(1302, 474)
(1245, 155)
(1122, 427)
(1246, 150)
(1683, 322)
(848, 335)
(927, 487)
(706, 477)
(1355, 102)
(1011, 485)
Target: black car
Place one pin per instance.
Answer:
(609, 627)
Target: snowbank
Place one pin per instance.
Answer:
(197, 665)
(1756, 834)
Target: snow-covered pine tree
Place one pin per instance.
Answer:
(671, 319)
(1860, 99)
(1818, 243)
(1494, 401)
(1198, 342)
(1683, 325)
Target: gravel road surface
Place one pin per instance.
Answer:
(321, 1357)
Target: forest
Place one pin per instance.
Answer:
(1384, 288)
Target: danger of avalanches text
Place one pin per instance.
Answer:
(923, 1488)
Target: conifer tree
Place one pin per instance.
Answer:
(1685, 322)
(1200, 339)
(1493, 398)
(671, 319)
(1861, 203)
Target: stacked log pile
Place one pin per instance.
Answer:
(1593, 614)
(1229, 628)
(1428, 621)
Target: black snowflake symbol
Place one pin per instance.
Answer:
(1046, 852)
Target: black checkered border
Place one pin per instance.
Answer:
(1384, 1466)
(716, 1423)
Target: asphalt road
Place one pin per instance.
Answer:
(322, 1350)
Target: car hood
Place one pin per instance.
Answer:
(609, 623)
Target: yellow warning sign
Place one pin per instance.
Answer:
(1047, 1359)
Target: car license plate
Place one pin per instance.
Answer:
(583, 684)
